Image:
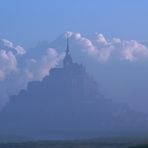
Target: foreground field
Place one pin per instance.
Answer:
(66, 144)
(140, 146)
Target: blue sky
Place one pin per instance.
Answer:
(29, 21)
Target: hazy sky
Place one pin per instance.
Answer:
(26, 22)
(29, 21)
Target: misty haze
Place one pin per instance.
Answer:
(85, 87)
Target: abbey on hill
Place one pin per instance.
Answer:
(72, 79)
(67, 104)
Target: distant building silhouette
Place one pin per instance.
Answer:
(73, 77)
(66, 104)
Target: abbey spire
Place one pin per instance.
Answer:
(67, 47)
(67, 62)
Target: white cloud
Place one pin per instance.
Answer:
(68, 34)
(20, 50)
(132, 50)
(39, 68)
(103, 49)
(8, 63)
(9, 46)
(7, 43)
(116, 41)
(101, 39)
(88, 45)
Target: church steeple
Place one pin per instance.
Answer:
(67, 47)
(67, 60)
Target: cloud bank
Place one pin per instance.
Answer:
(103, 49)
(17, 67)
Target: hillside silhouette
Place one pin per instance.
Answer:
(67, 104)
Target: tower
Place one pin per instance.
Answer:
(67, 59)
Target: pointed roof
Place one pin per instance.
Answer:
(67, 60)
(67, 47)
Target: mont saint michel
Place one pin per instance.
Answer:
(67, 104)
